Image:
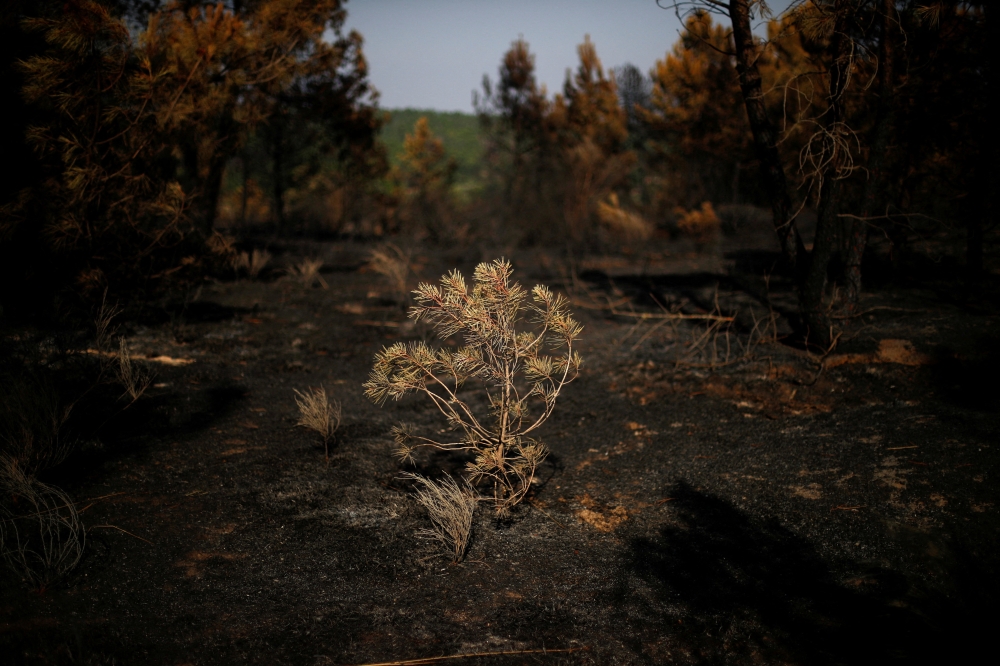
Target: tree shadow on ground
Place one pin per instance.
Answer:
(104, 430)
(969, 383)
(728, 588)
(745, 295)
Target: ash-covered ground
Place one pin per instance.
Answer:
(712, 496)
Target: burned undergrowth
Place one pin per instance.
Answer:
(784, 505)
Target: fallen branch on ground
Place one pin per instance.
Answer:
(469, 655)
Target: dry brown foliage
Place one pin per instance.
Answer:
(307, 272)
(319, 414)
(41, 535)
(521, 381)
(450, 506)
(623, 223)
(700, 224)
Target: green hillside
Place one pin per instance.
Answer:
(458, 131)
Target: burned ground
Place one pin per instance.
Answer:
(784, 507)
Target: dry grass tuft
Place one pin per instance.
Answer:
(319, 414)
(104, 328)
(394, 264)
(450, 506)
(41, 535)
(307, 272)
(133, 378)
(252, 264)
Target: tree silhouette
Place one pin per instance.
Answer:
(133, 135)
(824, 97)
(556, 159)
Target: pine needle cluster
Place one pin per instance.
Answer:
(523, 372)
(319, 414)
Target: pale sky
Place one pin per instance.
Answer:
(431, 54)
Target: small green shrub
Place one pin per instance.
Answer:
(521, 380)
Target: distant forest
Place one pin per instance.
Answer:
(148, 140)
(459, 132)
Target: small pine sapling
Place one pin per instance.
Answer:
(521, 380)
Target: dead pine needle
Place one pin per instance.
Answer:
(94, 500)
(115, 527)
(471, 655)
(546, 513)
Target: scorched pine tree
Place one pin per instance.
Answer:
(521, 380)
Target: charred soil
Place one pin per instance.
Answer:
(699, 506)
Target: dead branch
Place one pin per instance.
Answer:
(470, 655)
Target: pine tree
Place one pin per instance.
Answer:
(424, 179)
(108, 205)
(556, 159)
(699, 137)
(132, 136)
(269, 65)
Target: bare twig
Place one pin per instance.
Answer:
(470, 655)
(546, 513)
(115, 527)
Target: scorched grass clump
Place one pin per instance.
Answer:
(319, 414)
(523, 372)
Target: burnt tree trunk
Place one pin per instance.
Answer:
(813, 285)
(874, 187)
(765, 138)
(212, 193)
(205, 174)
(278, 184)
(246, 187)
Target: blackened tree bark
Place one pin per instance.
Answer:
(873, 197)
(810, 267)
(203, 172)
(215, 172)
(984, 174)
(813, 284)
(277, 137)
(764, 135)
